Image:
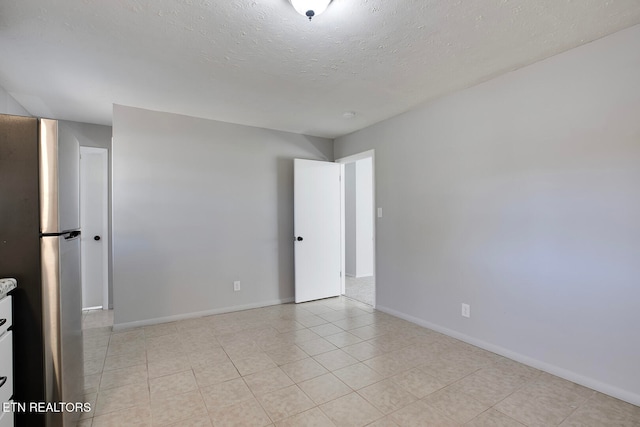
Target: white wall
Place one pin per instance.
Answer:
(350, 225)
(521, 197)
(198, 204)
(8, 105)
(364, 214)
(90, 135)
(358, 218)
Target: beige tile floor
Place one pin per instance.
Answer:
(334, 362)
(360, 289)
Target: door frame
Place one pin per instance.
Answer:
(104, 154)
(343, 161)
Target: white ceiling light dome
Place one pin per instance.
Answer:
(310, 8)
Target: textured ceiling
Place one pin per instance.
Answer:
(259, 63)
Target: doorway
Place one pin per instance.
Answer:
(358, 234)
(94, 220)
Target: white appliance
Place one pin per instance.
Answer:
(6, 352)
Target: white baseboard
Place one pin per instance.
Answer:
(591, 383)
(176, 317)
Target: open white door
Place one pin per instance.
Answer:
(316, 218)
(94, 224)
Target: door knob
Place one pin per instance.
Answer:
(96, 238)
(299, 239)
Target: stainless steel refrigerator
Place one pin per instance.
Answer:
(40, 247)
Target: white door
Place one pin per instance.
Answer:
(94, 226)
(317, 237)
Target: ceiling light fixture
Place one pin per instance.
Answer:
(310, 8)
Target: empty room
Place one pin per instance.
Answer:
(320, 213)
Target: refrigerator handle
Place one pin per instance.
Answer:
(72, 235)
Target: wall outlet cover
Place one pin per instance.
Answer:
(466, 310)
(236, 285)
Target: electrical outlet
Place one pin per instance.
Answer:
(466, 310)
(236, 285)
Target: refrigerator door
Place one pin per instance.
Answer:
(62, 311)
(59, 178)
(20, 256)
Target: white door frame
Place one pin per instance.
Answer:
(343, 161)
(104, 154)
